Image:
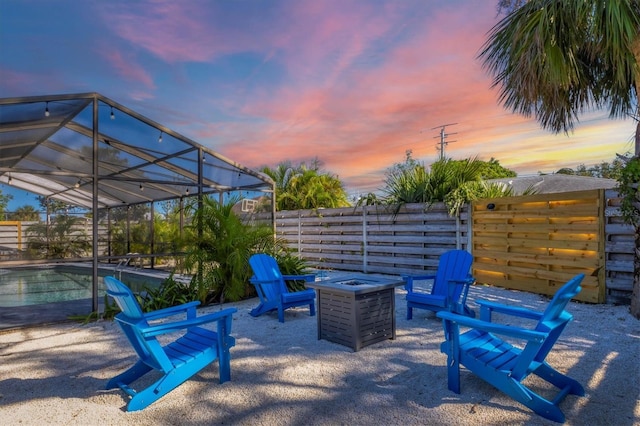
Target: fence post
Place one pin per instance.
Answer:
(458, 233)
(469, 228)
(299, 234)
(364, 239)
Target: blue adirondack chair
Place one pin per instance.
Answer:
(449, 288)
(272, 289)
(505, 366)
(177, 361)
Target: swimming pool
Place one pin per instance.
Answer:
(26, 286)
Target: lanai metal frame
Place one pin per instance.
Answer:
(89, 151)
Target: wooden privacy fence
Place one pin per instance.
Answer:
(533, 243)
(619, 248)
(11, 238)
(14, 237)
(373, 239)
(537, 243)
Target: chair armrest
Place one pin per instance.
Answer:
(462, 299)
(467, 281)
(487, 308)
(506, 330)
(170, 327)
(308, 277)
(170, 311)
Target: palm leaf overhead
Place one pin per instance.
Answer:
(556, 58)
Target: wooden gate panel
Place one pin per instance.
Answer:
(536, 243)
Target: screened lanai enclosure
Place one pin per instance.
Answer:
(101, 160)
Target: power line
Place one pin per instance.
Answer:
(443, 138)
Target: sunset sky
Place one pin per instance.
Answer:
(355, 83)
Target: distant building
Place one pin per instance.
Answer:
(546, 184)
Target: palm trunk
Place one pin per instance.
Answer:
(635, 296)
(634, 309)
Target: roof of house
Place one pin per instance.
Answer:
(545, 184)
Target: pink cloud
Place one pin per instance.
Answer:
(43, 81)
(128, 68)
(194, 31)
(11, 78)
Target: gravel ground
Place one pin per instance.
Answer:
(281, 374)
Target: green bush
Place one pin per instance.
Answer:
(219, 254)
(169, 293)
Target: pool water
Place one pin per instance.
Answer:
(37, 285)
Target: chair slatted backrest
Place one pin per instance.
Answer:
(266, 269)
(124, 297)
(453, 265)
(553, 321)
(148, 349)
(555, 318)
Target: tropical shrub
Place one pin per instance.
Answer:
(219, 254)
(628, 188)
(169, 293)
(454, 182)
(306, 187)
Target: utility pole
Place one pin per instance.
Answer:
(443, 138)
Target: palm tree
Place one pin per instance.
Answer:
(555, 58)
(306, 187)
(220, 254)
(281, 175)
(453, 182)
(26, 213)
